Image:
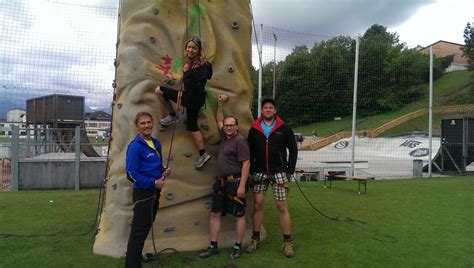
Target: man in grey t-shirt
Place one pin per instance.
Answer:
(229, 190)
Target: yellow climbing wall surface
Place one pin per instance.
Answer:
(152, 35)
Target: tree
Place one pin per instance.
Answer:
(469, 45)
(316, 84)
(294, 86)
(376, 44)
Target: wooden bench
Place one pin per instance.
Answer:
(331, 176)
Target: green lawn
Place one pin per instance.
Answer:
(398, 223)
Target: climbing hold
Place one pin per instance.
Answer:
(230, 68)
(196, 222)
(207, 204)
(119, 105)
(205, 126)
(156, 11)
(168, 229)
(114, 186)
(130, 221)
(162, 128)
(188, 154)
(169, 196)
(152, 39)
(235, 25)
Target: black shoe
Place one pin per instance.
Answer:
(209, 252)
(236, 252)
(149, 257)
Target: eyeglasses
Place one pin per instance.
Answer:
(229, 125)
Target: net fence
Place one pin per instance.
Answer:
(58, 48)
(312, 79)
(65, 48)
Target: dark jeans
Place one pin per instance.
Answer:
(143, 218)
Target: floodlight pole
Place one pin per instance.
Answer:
(260, 72)
(430, 115)
(274, 64)
(354, 105)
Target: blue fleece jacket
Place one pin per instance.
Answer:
(143, 164)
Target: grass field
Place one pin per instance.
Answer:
(398, 223)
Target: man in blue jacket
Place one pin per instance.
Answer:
(144, 168)
(270, 165)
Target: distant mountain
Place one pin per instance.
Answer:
(104, 109)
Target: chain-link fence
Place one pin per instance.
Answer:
(50, 158)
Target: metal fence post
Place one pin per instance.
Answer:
(47, 142)
(15, 149)
(77, 150)
(28, 141)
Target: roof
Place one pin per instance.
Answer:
(441, 41)
(98, 115)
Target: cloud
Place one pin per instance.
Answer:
(49, 47)
(68, 46)
(342, 17)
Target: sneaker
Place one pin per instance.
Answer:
(236, 252)
(202, 160)
(169, 119)
(288, 249)
(253, 246)
(209, 252)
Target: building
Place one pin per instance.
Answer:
(15, 117)
(97, 124)
(444, 48)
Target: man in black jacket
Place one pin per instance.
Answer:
(269, 138)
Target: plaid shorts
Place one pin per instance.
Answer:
(277, 181)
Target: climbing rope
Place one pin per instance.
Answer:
(178, 108)
(180, 92)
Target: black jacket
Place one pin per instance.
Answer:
(194, 81)
(269, 155)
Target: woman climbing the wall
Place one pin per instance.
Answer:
(196, 72)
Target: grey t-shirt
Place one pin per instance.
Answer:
(231, 154)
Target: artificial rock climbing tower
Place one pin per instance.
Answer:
(151, 45)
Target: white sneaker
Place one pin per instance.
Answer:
(202, 160)
(169, 119)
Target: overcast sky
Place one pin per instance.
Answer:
(60, 46)
(418, 22)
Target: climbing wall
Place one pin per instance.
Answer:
(152, 35)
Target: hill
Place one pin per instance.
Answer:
(451, 89)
